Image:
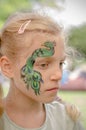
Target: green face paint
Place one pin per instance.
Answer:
(31, 77)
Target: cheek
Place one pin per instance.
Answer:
(46, 75)
(17, 77)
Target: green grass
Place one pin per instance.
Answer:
(78, 98)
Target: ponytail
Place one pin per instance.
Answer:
(0, 45)
(1, 91)
(1, 104)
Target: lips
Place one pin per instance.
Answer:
(52, 89)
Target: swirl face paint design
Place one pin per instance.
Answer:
(31, 77)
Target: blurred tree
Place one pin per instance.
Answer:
(58, 4)
(77, 38)
(9, 6)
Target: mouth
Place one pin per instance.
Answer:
(52, 89)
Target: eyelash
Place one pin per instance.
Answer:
(62, 63)
(43, 65)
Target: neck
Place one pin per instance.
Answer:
(24, 111)
(17, 101)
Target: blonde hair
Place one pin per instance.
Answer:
(71, 109)
(11, 37)
(19, 24)
(1, 104)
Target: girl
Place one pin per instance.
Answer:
(32, 54)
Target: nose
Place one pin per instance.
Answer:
(56, 76)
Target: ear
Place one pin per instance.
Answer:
(6, 66)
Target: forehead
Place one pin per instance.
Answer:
(38, 39)
(35, 41)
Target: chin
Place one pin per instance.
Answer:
(49, 100)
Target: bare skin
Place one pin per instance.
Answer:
(22, 106)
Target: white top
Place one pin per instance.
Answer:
(56, 119)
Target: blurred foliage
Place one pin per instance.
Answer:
(77, 39)
(58, 4)
(9, 6)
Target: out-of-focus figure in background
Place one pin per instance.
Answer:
(76, 80)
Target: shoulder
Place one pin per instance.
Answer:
(71, 109)
(56, 107)
(1, 123)
(65, 114)
(67, 109)
(56, 111)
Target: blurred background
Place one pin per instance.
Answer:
(71, 15)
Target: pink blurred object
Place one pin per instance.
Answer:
(75, 84)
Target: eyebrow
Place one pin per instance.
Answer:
(50, 59)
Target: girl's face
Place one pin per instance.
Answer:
(38, 73)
